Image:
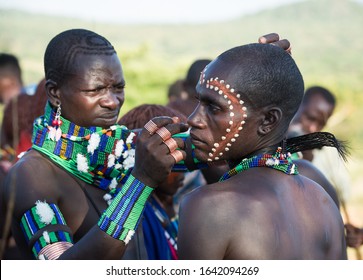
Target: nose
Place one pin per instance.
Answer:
(112, 100)
(195, 119)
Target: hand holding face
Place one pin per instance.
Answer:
(274, 39)
(156, 152)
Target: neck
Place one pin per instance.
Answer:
(100, 157)
(278, 161)
(266, 150)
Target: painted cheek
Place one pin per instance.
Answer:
(235, 125)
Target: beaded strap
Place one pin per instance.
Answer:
(122, 217)
(278, 161)
(44, 224)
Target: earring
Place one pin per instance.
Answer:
(55, 131)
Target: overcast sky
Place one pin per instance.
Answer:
(141, 11)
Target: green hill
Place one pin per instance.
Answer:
(325, 36)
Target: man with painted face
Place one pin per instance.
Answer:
(262, 208)
(80, 191)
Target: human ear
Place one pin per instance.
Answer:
(51, 88)
(271, 118)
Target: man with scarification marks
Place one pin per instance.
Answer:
(80, 191)
(261, 208)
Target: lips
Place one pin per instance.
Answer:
(196, 141)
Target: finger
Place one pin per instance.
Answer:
(154, 124)
(178, 155)
(284, 44)
(166, 132)
(151, 127)
(171, 144)
(269, 38)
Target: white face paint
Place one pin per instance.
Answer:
(226, 91)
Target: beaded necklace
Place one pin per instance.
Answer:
(278, 161)
(100, 157)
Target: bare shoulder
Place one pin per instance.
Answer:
(32, 178)
(211, 214)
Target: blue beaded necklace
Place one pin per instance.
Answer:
(279, 161)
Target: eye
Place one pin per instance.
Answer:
(214, 108)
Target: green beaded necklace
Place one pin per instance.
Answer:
(100, 157)
(278, 161)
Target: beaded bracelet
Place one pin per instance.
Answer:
(122, 217)
(44, 225)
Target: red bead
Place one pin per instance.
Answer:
(54, 122)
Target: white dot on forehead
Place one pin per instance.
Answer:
(230, 122)
(223, 137)
(231, 114)
(216, 145)
(228, 130)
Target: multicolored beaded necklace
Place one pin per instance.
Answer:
(100, 157)
(278, 161)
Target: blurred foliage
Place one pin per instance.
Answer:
(325, 36)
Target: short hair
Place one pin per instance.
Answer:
(9, 65)
(323, 92)
(265, 75)
(193, 74)
(140, 115)
(64, 48)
